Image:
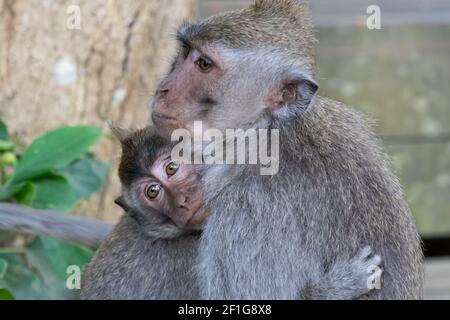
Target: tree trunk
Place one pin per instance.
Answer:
(84, 62)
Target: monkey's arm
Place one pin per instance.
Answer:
(346, 279)
(61, 226)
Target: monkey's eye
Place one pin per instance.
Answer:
(153, 191)
(204, 65)
(172, 169)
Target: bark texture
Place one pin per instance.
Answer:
(53, 73)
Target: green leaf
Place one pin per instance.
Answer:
(3, 131)
(54, 150)
(40, 272)
(59, 255)
(3, 267)
(86, 176)
(6, 146)
(6, 295)
(9, 190)
(22, 280)
(54, 193)
(26, 195)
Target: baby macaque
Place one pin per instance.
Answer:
(152, 252)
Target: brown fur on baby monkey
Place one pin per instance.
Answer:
(163, 195)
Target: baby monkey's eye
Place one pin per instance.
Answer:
(172, 168)
(153, 191)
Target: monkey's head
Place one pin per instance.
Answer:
(243, 69)
(165, 197)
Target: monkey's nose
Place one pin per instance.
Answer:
(183, 203)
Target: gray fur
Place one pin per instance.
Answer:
(147, 257)
(130, 265)
(334, 193)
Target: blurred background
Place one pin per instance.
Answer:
(53, 74)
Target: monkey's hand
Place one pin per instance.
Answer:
(349, 279)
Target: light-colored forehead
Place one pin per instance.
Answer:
(259, 62)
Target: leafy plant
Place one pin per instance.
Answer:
(55, 172)
(4, 293)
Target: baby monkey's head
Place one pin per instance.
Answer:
(164, 196)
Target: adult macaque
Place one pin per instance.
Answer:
(273, 237)
(152, 253)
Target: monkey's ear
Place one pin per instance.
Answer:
(119, 132)
(294, 91)
(120, 201)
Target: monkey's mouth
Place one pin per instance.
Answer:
(157, 117)
(164, 123)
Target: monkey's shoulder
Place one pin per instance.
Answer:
(331, 116)
(334, 130)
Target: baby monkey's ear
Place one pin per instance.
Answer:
(120, 201)
(119, 132)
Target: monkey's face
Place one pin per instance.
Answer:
(169, 191)
(173, 190)
(237, 71)
(155, 189)
(192, 89)
(211, 85)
